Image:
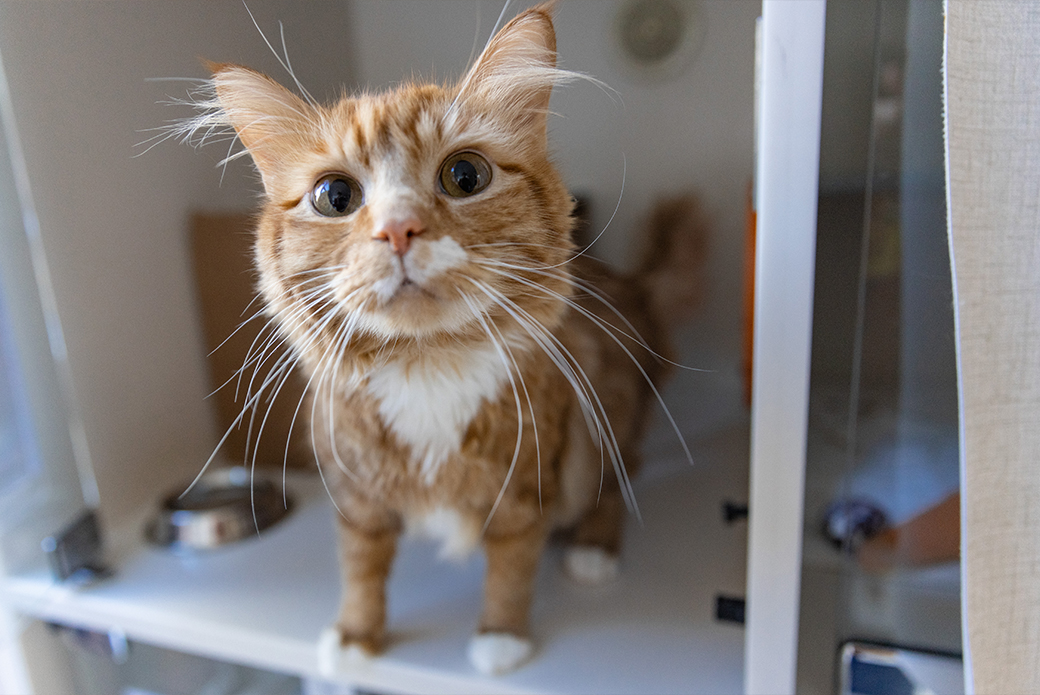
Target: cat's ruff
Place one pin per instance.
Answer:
(428, 403)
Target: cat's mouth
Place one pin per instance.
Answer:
(419, 271)
(411, 288)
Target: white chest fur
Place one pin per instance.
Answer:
(428, 404)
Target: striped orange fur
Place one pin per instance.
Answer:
(465, 372)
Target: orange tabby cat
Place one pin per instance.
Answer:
(415, 251)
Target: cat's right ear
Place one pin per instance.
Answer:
(268, 118)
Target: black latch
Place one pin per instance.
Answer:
(733, 511)
(730, 609)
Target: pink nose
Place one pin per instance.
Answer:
(399, 233)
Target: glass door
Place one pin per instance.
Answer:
(46, 481)
(880, 574)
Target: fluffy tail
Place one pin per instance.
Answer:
(672, 271)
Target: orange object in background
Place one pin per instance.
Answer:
(751, 217)
(931, 537)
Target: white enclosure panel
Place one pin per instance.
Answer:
(791, 81)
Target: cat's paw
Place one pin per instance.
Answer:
(495, 653)
(591, 565)
(337, 653)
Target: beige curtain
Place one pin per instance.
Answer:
(993, 140)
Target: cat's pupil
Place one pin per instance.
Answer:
(465, 175)
(338, 193)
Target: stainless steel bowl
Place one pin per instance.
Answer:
(224, 506)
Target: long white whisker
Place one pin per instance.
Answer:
(289, 68)
(287, 374)
(500, 267)
(280, 373)
(505, 353)
(256, 356)
(610, 330)
(530, 408)
(465, 81)
(476, 33)
(573, 372)
(268, 347)
(617, 206)
(249, 406)
(283, 62)
(240, 326)
(237, 374)
(292, 425)
(234, 424)
(341, 335)
(325, 484)
(279, 376)
(308, 301)
(340, 346)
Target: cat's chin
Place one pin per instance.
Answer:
(415, 312)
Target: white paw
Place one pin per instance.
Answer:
(588, 564)
(333, 657)
(495, 653)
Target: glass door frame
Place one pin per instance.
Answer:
(789, 86)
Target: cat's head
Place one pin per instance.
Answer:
(421, 213)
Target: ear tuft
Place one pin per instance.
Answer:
(528, 42)
(262, 112)
(517, 70)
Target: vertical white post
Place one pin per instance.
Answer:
(14, 674)
(787, 171)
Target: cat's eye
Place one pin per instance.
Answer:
(336, 195)
(464, 174)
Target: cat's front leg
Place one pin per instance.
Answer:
(503, 642)
(366, 556)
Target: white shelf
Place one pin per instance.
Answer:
(264, 602)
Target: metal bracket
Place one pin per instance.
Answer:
(75, 553)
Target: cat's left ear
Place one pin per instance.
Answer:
(516, 72)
